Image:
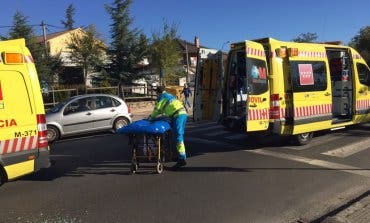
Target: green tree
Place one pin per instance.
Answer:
(165, 53)
(21, 29)
(69, 21)
(48, 67)
(306, 38)
(128, 47)
(87, 51)
(361, 42)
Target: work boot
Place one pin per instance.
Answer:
(180, 163)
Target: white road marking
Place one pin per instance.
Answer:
(349, 150)
(206, 141)
(314, 162)
(321, 140)
(201, 129)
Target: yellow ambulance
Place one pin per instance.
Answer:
(23, 133)
(294, 89)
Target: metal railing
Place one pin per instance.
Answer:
(128, 93)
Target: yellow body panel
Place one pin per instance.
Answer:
(20, 104)
(258, 104)
(20, 169)
(306, 111)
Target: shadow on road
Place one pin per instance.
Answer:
(104, 154)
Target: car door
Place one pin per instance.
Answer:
(104, 113)
(77, 116)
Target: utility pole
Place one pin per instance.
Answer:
(187, 62)
(43, 24)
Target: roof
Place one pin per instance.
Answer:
(40, 39)
(191, 46)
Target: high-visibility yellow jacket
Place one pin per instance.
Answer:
(168, 105)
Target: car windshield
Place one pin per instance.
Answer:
(58, 106)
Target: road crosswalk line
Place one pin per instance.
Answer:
(314, 162)
(349, 150)
(201, 129)
(206, 141)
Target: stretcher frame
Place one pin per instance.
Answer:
(164, 151)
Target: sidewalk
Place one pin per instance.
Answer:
(356, 211)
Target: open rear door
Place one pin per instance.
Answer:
(246, 98)
(256, 83)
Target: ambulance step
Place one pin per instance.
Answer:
(337, 128)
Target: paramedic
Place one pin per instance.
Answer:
(169, 106)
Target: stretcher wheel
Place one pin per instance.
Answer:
(134, 167)
(159, 168)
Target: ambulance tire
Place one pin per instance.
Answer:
(119, 123)
(2, 176)
(53, 133)
(302, 139)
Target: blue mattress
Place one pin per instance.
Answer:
(145, 127)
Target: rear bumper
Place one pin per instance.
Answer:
(43, 160)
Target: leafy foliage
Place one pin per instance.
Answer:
(165, 53)
(21, 29)
(47, 66)
(361, 42)
(306, 38)
(69, 21)
(86, 50)
(128, 46)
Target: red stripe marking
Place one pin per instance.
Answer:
(1, 93)
(30, 143)
(15, 142)
(6, 146)
(22, 143)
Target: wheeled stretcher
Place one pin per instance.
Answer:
(150, 142)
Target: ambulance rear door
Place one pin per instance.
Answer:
(257, 88)
(362, 88)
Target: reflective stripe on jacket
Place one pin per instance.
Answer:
(168, 105)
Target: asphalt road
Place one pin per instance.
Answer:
(229, 178)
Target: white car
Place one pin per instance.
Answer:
(87, 113)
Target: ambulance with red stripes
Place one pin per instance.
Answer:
(294, 89)
(23, 133)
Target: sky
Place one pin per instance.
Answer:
(215, 22)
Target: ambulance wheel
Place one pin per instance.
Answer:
(303, 138)
(53, 133)
(119, 123)
(159, 168)
(2, 176)
(134, 168)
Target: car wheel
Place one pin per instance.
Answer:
(119, 123)
(53, 133)
(303, 138)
